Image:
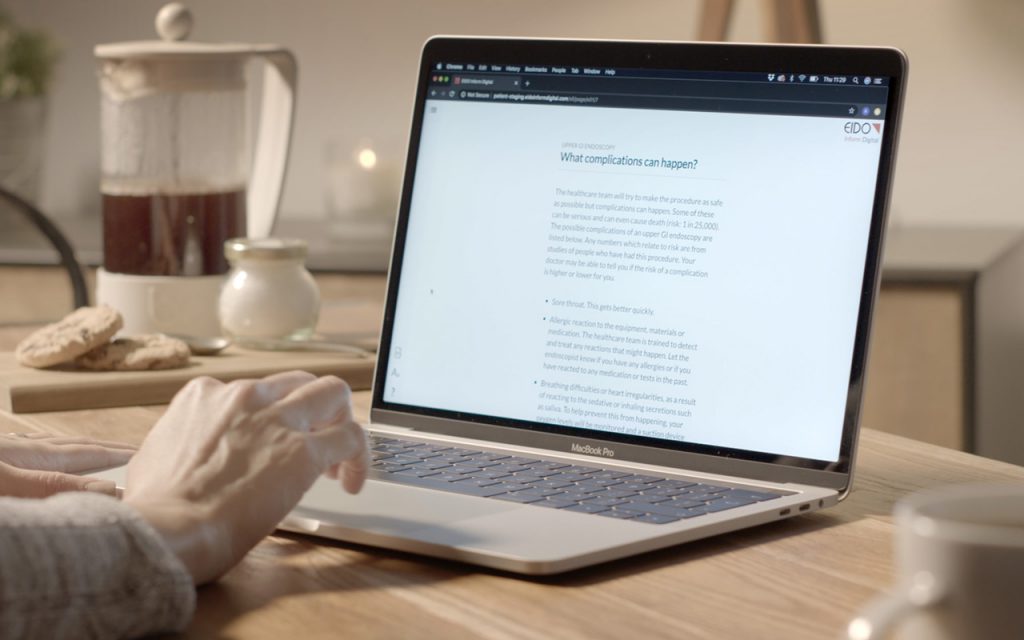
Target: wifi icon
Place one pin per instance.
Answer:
(771, 77)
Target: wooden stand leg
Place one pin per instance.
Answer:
(787, 20)
(793, 21)
(714, 19)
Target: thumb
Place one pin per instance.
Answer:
(30, 483)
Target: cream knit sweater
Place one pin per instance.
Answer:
(81, 565)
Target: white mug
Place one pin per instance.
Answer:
(960, 561)
(162, 304)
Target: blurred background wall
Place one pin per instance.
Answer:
(960, 156)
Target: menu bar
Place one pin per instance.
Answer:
(730, 76)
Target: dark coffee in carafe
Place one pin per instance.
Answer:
(170, 234)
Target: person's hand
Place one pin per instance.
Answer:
(38, 465)
(227, 462)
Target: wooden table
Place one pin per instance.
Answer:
(800, 578)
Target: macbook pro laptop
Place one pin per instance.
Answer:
(629, 298)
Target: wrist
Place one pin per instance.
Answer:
(187, 533)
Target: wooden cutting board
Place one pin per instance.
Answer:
(26, 390)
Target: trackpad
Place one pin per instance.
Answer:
(391, 508)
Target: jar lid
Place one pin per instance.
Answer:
(265, 249)
(174, 24)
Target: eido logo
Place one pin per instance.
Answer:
(862, 127)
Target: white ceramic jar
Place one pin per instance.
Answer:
(269, 295)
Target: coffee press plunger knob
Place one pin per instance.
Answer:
(174, 22)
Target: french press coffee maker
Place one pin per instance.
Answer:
(176, 177)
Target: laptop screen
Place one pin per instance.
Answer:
(667, 256)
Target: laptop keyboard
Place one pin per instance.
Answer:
(554, 485)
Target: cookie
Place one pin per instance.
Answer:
(80, 332)
(138, 353)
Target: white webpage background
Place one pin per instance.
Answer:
(773, 321)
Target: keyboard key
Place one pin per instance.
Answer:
(635, 477)
(390, 466)
(676, 484)
(546, 464)
(413, 472)
(510, 468)
(621, 515)
(759, 496)
(585, 488)
(519, 497)
(575, 496)
(513, 486)
(483, 463)
(448, 476)
(553, 484)
(694, 512)
(580, 470)
(655, 518)
(686, 504)
(554, 503)
(605, 502)
(423, 464)
(571, 477)
(615, 493)
(647, 499)
(405, 459)
(522, 460)
(631, 486)
(437, 448)
(587, 508)
(480, 482)
(492, 474)
(658, 509)
(722, 505)
(609, 475)
(539, 493)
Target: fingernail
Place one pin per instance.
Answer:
(101, 486)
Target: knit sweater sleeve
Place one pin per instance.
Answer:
(82, 565)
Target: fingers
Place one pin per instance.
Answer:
(65, 454)
(343, 445)
(323, 401)
(323, 408)
(278, 386)
(25, 483)
(83, 457)
(47, 439)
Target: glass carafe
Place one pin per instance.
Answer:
(176, 180)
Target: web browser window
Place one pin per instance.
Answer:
(677, 257)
